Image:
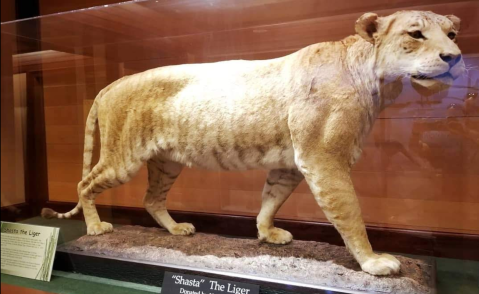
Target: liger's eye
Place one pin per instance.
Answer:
(451, 35)
(417, 35)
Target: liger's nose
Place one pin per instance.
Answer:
(451, 59)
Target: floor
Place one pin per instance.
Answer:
(68, 283)
(20, 290)
(453, 276)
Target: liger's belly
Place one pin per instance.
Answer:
(230, 158)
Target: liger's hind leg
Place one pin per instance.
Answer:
(161, 176)
(88, 189)
(279, 185)
(100, 179)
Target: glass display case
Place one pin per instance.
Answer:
(417, 180)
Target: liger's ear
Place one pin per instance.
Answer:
(367, 26)
(456, 21)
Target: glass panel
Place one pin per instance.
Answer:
(419, 169)
(83, 51)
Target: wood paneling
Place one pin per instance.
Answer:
(13, 106)
(64, 134)
(62, 115)
(7, 119)
(66, 95)
(7, 10)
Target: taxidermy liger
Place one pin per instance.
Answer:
(302, 116)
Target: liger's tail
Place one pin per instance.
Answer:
(87, 159)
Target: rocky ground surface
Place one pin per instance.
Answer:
(301, 261)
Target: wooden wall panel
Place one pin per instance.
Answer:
(66, 153)
(13, 124)
(8, 10)
(7, 119)
(13, 143)
(420, 165)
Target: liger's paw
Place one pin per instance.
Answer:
(99, 228)
(183, 229)
(275, 236)
(381, 264)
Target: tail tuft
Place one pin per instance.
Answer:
(49, 213)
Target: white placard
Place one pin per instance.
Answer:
(28, 251)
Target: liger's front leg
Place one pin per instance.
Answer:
(324, 146)
(333, 190)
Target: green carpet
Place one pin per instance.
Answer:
(456, 276)
(69, 283)
(453, 276)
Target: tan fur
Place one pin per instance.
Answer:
(304, 115)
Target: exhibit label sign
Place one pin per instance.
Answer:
(189, 284)
(28, 251)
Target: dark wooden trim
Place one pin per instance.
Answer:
(35, 163)
(36, 173)
(15, 213)
(27, 9)
(460, 246)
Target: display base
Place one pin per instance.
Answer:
(141, 255)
